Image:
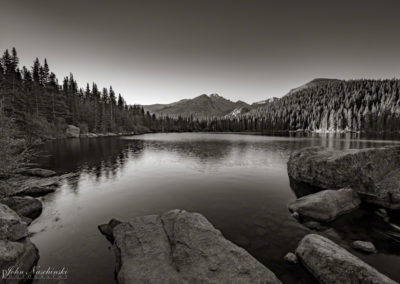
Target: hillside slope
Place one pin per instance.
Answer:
(200, 107)
(330, 105)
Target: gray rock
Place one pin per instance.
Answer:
(291, 258)
(24, 206)
(22, 255)
(37, 191)
(330, 263)
(72, 131)
(38, 172)
(367, 247)
(181, 247)
(373, 173)
(107, 229)
(325, 205)
(16, 250)
(296, 215)
(11, 226)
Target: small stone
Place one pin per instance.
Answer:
(381, 212)
(367, 247)
(296, 215)
(291, 258)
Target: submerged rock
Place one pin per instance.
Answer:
(330, 263)
(291, 258)
(24, 206)
(374, 173)
(367, 247)
(181, 247)
(325, 205)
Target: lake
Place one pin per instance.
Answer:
(239, 182)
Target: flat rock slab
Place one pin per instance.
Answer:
(32, 186)
(332, 264)
(325, 205)
(37, 172)
(374, 172)
(181, 247)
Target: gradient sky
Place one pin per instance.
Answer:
(163, 51)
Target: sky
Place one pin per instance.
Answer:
(161, 51)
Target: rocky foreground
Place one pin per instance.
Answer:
(179, 247)
(18, 208)
(330, 263)
(374, 173)
(183, 247)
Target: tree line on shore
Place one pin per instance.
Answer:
(41, 107)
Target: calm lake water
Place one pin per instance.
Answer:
(239, 182)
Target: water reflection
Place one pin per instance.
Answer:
(239, 182)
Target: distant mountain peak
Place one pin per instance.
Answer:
(201, 106)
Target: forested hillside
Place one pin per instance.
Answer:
(333, 105)
(323, 105)
(41, 107)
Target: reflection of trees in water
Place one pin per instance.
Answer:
(99, 157)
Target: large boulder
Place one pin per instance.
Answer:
(11, 226)
(374, 172)
(16, 258)
(330, 263)
(72, 131)
(24, 206)
(181, 247)
(325, 205)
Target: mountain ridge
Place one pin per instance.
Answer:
(202, 106)
(214, 105)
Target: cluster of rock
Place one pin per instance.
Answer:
(179, 247)
(343, 180)
(18, 208)
(373, 173)
(16, 249)
(183, 247)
